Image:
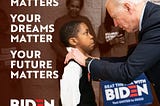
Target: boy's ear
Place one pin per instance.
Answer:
(73, 41)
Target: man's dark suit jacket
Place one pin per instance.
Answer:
(144, 58)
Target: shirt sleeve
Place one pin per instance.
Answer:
(69, 84)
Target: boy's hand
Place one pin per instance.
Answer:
(77, 56)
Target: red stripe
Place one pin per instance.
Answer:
(40, 104)
(39, 100)
(132, 86)
(134, 91)
(134, 95)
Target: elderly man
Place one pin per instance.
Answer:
(131, 15)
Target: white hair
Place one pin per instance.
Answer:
(132, 1)
(122, 1)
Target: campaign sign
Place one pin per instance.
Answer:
(136, 93)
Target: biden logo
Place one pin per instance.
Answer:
(126, 92)
(137, 92)
(31, 102)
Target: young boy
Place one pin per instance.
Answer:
(76, 88)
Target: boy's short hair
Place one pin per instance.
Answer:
(69, 30)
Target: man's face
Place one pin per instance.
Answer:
(74, 8)
(123, 18)
(85, 39)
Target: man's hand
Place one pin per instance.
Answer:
(77, 56)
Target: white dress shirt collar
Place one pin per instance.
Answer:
(142, 14)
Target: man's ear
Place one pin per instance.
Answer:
(73, 41)
(129, 7)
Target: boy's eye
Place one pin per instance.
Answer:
(87, 32)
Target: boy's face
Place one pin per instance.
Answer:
(85, 41)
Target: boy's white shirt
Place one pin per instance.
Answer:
(69, 84)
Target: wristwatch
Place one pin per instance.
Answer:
(87, 61)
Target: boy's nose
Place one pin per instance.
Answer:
(90, 35)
